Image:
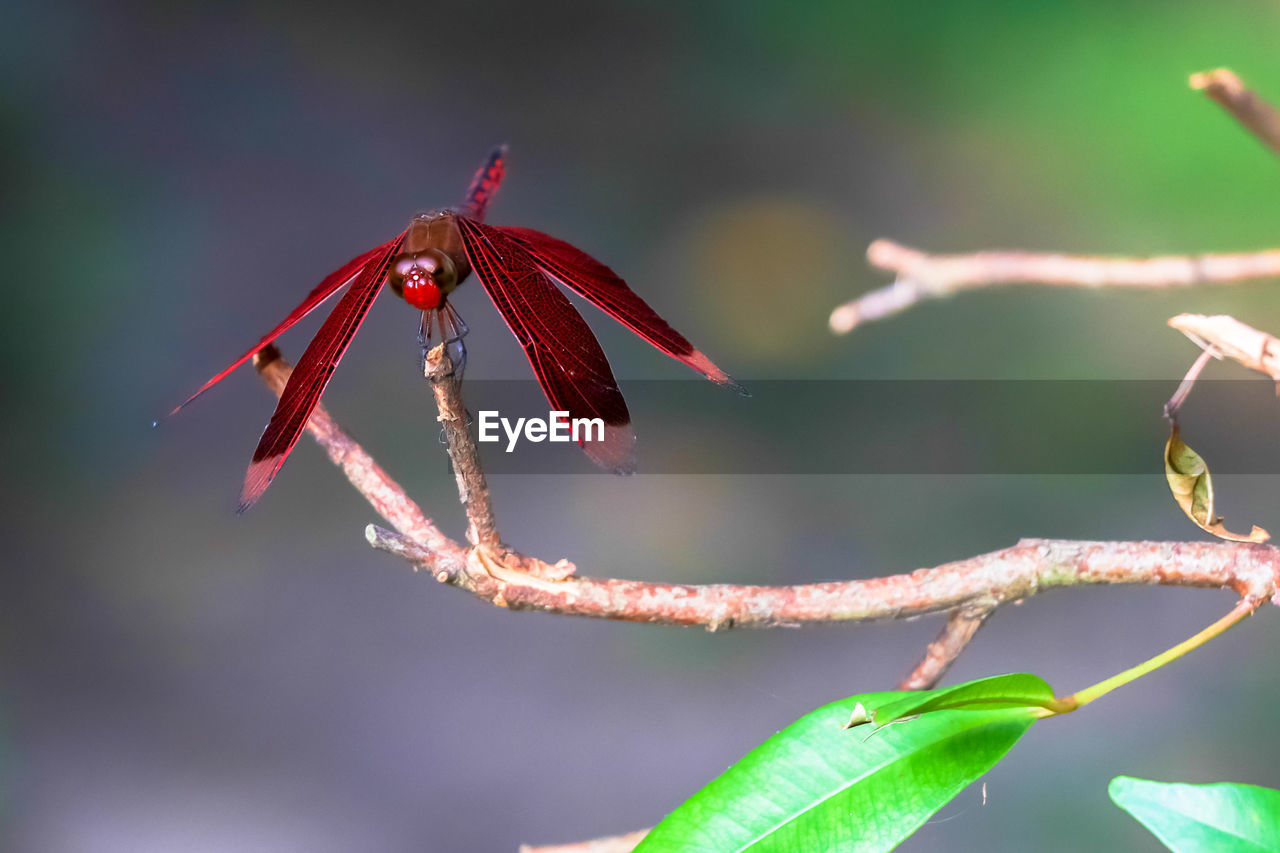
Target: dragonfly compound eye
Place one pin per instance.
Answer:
(423, 278)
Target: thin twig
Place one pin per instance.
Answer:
(922, 276)
(473, 491)
(383, 493)
(1229, 337)
(988, 580)
(1174, 404)
(962, 624)
(1259, 117)
(611, 844)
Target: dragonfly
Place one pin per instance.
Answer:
(519, 269)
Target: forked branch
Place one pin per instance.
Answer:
(979, 583)
(969, 590)
(975, 585)
(384, 494)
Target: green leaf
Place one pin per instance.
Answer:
(1018, 690)
(1223, 818)
(819, 786)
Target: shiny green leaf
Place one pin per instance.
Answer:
(1222, 818)
(1017, 690)
(820, 786)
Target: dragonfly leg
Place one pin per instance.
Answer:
(424, 330)
(454, 331)
(424, 338)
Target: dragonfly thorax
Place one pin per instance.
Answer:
(432, 260)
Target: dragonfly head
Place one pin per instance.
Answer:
(423, 279)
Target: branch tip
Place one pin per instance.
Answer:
(921, 276)
(1253, 112)
(473, 490)
(384, 494)
(1225, 336)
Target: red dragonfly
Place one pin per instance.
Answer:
(516, 266)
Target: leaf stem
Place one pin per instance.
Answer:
(1080, 698)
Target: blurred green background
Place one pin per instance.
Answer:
(176, 677)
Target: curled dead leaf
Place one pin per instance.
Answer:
(1192, 488)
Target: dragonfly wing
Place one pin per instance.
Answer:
(565, 355)
(312, 374)
(485, 184)
(332, 283)
(602, 286)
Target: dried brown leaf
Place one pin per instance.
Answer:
(1192, 488)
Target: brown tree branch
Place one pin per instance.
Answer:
(525, 583)
(1258, 117)
(922, 276)
(981, 582)
(473, 491)
(962, 624)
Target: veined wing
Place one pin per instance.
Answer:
(602, 286)
(565, 356)
(312, 374)
(331, 284)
